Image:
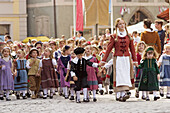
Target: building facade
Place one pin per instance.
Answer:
(13, 19)
(41, 16)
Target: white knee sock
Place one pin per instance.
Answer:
(45, 92)
(23, 92)
(65, 91)
(123, 93)
(18, 92)
(7, 93)
(168, 89)
(144, 93)
(118, 95)
(100, 87)
(72, 91)
(78, 95)
(94, 93)
(52, 90)
(147, 94)
(106, 88)
(33, 92)
(85, 93)
(155, 93)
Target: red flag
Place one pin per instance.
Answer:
(79, 16)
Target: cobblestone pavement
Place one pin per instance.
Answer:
(104, 104)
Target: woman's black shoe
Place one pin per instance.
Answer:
(24, 97)
(1, 98)
(78, 101)
(18, 97)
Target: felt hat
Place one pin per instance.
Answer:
(79, 50)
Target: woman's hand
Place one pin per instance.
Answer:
(136, 64)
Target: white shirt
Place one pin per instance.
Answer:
(53, 61)
(136, 39)
(161, 57)
(109, 64)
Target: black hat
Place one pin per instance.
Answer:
(67, 47)
(79, 50)
(39, 42)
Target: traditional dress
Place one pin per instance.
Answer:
(48, 75)
(138, 71)
(62, 69)
(122, 65)
(6, 78)
(92, 74)
(21, 79)
(149, 80)
(165, 70)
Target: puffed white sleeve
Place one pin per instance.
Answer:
(109, 64)
(68, 66)
(160, 59)
(40, 64)
(54, 62)
(28, 64)
(72, 74)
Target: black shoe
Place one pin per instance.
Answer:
(161, 94)
(97, 91)
(28, 95)
(117, 99)
(106, 93)
(72, 98)
(7, 99)
(122, 99)
(155, 98)
(78, 101)
(110, 92)
(18, 97)
(45, 97)
(94, 100)
(81, 93)
(168, 97)
(85, 100)
(51, 97)
(143, 97)
(147, 99)
(1, 98)
(24, 97)
(101, 92)
(66, 97)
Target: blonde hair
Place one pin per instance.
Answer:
(137, 47)
(22, 51)
(51, 52)
(4, 50)
(116, 27)
(155, 54)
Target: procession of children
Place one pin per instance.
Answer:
(112, 64)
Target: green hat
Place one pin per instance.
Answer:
(150, 49)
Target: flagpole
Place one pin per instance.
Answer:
(111, 17)
(74, 17)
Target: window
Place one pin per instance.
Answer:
(42, 25)
(4, 29)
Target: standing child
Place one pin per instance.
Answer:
(164, 62)
(69, 78)
(79, 73)
(149, 79)
(21, 79)
(33, 73)
(91, 72)
(6, 79)
(48, 75)
(62, 69)
(140, 49)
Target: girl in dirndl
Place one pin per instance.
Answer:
(49, 79)
(62, 69)
(91, 72)
(21, 80)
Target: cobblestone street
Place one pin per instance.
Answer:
(105, 104)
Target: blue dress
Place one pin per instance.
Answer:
(165, 71)
(21, 80)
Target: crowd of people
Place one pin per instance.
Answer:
(117, 63)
